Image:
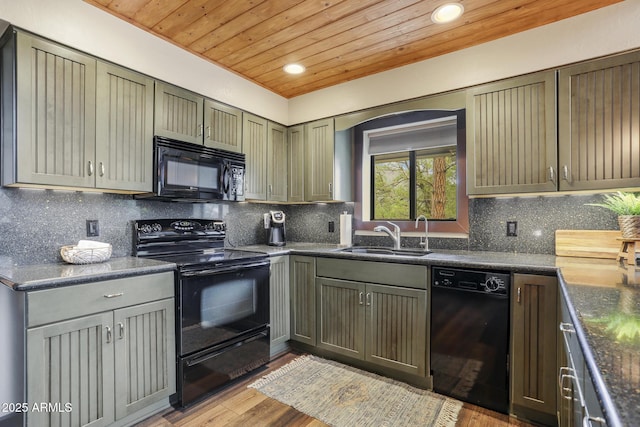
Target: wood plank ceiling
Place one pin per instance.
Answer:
(336, 40)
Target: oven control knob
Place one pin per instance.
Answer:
(493, 283)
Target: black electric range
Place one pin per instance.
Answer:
(222, 302)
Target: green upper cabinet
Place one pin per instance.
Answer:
(598, 110)
(56, 108)
(189, 117)
(296, 176)
(178, 114)
(511, 136)
(124, 129)
(222, 126)
(254, 146)
(277, 159)
(265, 145)
(62, 136)
(319, 149)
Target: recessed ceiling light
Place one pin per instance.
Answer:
(294, 69)
(447, 13)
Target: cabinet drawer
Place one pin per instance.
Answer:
(52, 305)
(384, 273)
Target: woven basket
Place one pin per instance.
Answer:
(629, 226)
(76, 255)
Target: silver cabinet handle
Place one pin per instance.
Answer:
(519, 294)
(565, 392)
(208, 132)
(368, 298)
(360, 298)
(331, 189)
(101, 169)
(552, 174)
(121, 330)
(270, 189)
(108, 334)
(586, 421)
(119, 294)
(567, 327)
(90, 168)
(565, 173)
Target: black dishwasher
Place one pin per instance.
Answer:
(470, 336)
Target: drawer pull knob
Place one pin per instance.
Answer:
(119, 294)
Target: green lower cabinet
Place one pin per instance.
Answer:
(385, 325)
(302, 272)
(534, 339)
(279, 305)
(70, 365)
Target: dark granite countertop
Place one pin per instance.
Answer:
(604, 301)
(43, 276)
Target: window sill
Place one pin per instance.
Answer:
(434, 234)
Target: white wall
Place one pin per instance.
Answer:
(87, 28)
(608, 30)
(78, 24)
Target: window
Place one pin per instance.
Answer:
(413, 164)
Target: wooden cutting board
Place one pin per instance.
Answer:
(588, 243)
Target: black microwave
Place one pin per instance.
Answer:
(195, 173)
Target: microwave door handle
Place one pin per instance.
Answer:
(226, 178)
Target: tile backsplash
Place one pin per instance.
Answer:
(35, 223)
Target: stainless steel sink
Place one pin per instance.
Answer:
(381, 250)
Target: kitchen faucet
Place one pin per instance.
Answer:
(395, 234)
(424, 240)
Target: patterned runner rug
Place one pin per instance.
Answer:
(342, 396)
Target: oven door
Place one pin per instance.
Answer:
(222, 305)
(185, 173)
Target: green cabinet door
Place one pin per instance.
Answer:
(302, 272)
(71, 363)
(319, 147)
(341, 316)
(296, 176)
(396, 324)
(178, 113)
(254, 146)
(56, 111)
(279, 304)
(222, 126)
(124, 129)
(534, 342)
(277, 160)
(511, 136)
(144, 341)
(598, 124)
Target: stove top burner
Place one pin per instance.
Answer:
(187, 242)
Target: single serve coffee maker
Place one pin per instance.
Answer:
(274, 224)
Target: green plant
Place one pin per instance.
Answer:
(620, 203)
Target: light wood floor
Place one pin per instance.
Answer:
(239, 406)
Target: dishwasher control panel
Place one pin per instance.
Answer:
(487, 282)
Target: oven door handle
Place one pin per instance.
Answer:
(201, 359)
(222, 270)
